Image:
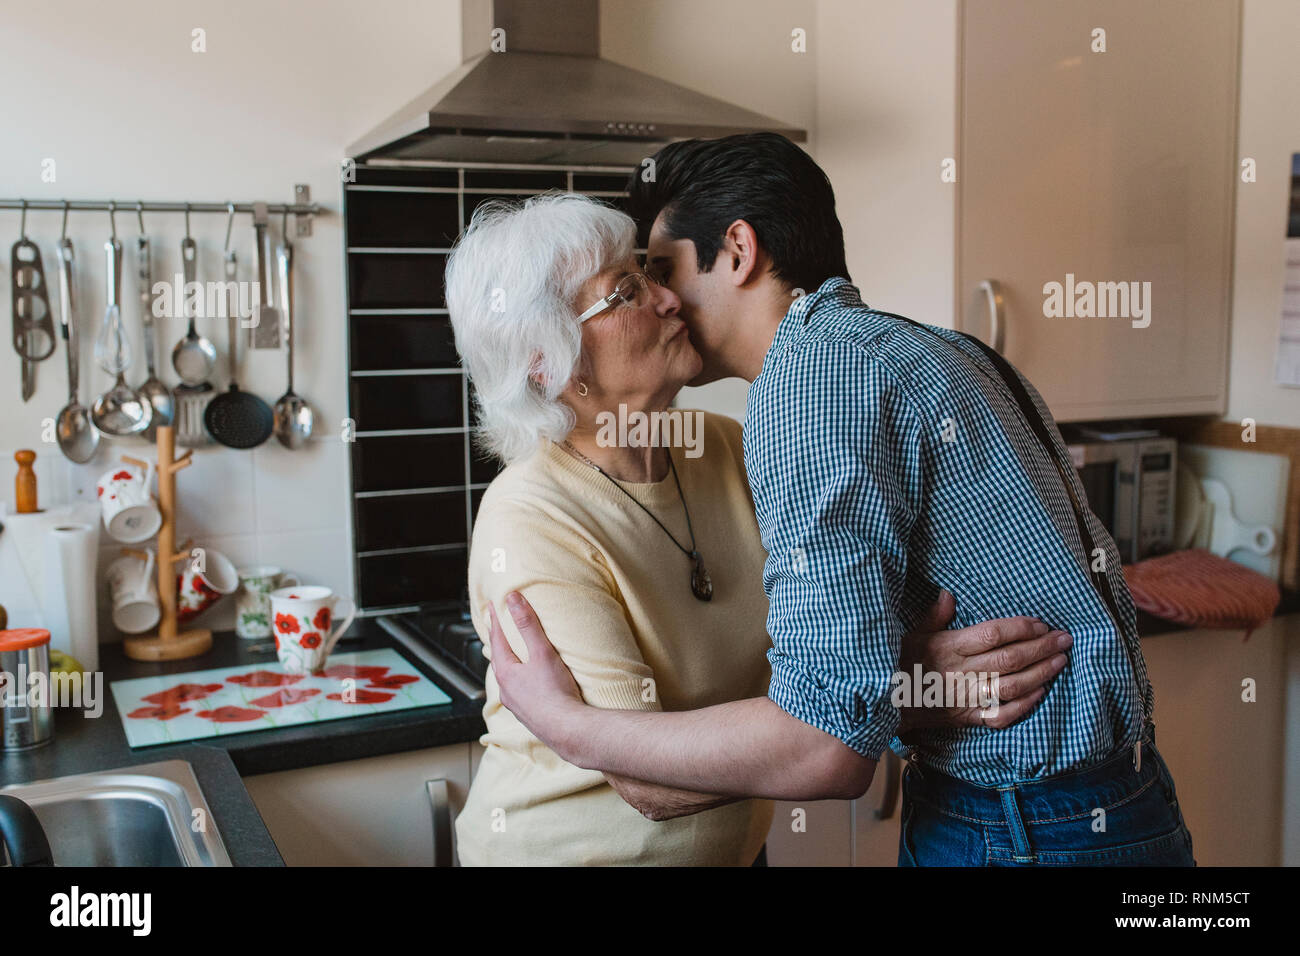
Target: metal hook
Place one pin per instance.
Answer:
(112, 218)
(22, 226)
(139, 215)
(64, 233)
(187, 220)
(230, 221)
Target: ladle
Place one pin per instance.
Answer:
(76, 433)
(293, 416)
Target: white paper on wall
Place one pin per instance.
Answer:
(1288, 341)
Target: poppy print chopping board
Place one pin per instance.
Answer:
(237, 700)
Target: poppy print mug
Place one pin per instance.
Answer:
(130, 513)
(302, 620)
(202, 583)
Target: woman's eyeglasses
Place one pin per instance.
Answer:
(629, 291)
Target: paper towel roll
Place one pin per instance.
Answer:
(22, 564)
(69, 600)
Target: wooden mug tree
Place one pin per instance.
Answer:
(168, 644)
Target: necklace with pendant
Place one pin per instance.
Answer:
(701, 583)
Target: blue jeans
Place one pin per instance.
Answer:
(1106, 815)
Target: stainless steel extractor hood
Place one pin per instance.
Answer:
(548, 98)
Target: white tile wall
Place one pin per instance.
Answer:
(269, 504)
(302, 490)
(265, 506)
(317, 557)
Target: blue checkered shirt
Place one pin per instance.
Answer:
(888, 459)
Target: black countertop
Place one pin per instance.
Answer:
(82, 744)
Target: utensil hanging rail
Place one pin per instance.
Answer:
(127, 206)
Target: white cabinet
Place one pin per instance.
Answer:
(836, 832)
(1228, 756)
(371, 812)
(811, 833)
(875, 841)
(1110, 172)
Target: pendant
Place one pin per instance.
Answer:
(701, 583)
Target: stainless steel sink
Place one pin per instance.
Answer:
(135, 816)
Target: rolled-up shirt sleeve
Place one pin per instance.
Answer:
(834, 454)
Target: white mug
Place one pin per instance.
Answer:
(302, 620)
(134, 593)
(253, 602)
(130, 513)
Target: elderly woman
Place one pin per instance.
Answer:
(644, 560)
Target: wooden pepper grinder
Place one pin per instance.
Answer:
(25, 483)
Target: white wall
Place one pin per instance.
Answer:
(736, 50)
(114, 95)
(886, 118)
(876, 90)
(1268, 131)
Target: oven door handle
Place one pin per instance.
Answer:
(440, 807)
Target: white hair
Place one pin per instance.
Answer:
(512, 281)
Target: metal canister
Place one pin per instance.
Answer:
(26, 710)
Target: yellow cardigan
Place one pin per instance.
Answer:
(614, 596)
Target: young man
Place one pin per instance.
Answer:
(887, 460)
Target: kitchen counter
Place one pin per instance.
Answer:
(83, 745)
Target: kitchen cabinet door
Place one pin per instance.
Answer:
(875, 841)
(837, 832)
(811, 833)
(371, 812)
(1228, 755)
(1097, 151)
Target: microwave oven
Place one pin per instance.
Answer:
(1129, 480)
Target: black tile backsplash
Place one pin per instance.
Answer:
(402, 341)
(395, 280)
(409, 521)
(403, 176)
(416, 577)
(388, 463)
(600, 182)
(389, 511)
(536, 180)
(388, 219)
(482, 467)
(406, 401)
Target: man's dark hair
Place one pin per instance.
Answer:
(704, 185)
